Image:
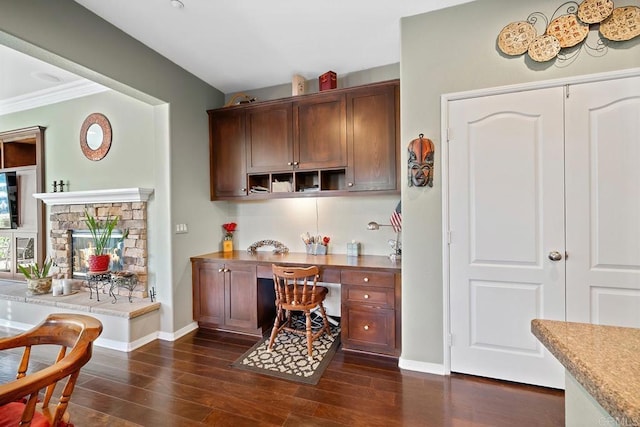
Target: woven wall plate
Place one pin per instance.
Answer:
(594, 11)
(514, 39)
(543, 48)
(623, 24)
(568, 30)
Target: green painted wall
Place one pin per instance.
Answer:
(132, 122)
(66, 35)
(445, 51)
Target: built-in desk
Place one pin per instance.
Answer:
(234, 291)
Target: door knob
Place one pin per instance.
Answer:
(555, 256)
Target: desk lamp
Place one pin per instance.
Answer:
(395, 244)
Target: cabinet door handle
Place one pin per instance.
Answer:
(366, 327)
(350, 184)
(366, 296)
(244, 190)
(221, 270)
(366, 279)
(289, 163)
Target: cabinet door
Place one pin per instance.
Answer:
(372, 138)
(320, 132)
(208, 293)
(241, 300)
(269, 138)
(227, 154)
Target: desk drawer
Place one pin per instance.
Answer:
(368, 295)
(369, 278)
(369, 329)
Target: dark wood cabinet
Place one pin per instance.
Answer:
(228, 296)
(235, 292)
(370, 311)
(227, 154)
(208, 293)
(326, 144)
(373, 138)
(269, 138)
(320, 132)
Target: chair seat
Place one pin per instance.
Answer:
(11, 413)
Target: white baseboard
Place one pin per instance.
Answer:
(428, 368)
(124, 346)
(172, 336)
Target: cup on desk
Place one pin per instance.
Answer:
(67, 287)
(56, 289)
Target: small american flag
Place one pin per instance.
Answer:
(396, 218)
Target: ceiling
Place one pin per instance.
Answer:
(239, 45)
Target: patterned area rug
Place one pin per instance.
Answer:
(288, 359)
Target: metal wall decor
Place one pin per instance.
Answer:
(590, 26)
(279, 247)
(420, 163)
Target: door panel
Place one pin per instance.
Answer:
(500, 171)
(506, 198)
(603, 202)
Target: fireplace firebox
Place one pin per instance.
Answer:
(82, 247)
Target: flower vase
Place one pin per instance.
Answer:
(99, 262)
(227, 245)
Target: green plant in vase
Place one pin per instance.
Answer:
(37, 276)
(101, 235)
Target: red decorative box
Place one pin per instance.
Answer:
(328, 80)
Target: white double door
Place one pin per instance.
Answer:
(544, 221)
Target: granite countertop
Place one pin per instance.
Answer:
(605, 360)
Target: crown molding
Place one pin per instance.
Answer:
(118, 195)
(63, 92)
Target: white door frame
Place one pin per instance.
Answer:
(444, 161)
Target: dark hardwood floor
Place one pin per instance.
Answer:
(189, 383)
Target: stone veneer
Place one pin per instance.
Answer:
(132, 217)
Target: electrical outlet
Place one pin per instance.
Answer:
(181, 228)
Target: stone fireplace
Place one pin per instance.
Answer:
(67, 217)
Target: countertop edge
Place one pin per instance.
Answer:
(373, 262)
(611, 400)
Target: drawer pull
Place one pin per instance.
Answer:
(366, 279)
(366, 296)
(366, 327)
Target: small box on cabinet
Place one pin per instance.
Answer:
(297, 85)
(353, 249)
(328, 80)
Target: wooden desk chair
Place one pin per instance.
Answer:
(18, 398)
(297, 290)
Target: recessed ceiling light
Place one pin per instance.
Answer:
(177, 4)
(46, 77)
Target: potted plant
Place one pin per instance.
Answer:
(37, 276)
(101, 235)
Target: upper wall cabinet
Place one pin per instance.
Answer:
(227, 154)
(320, 134)
(269, 138)
(331, 143)
(372, 136)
